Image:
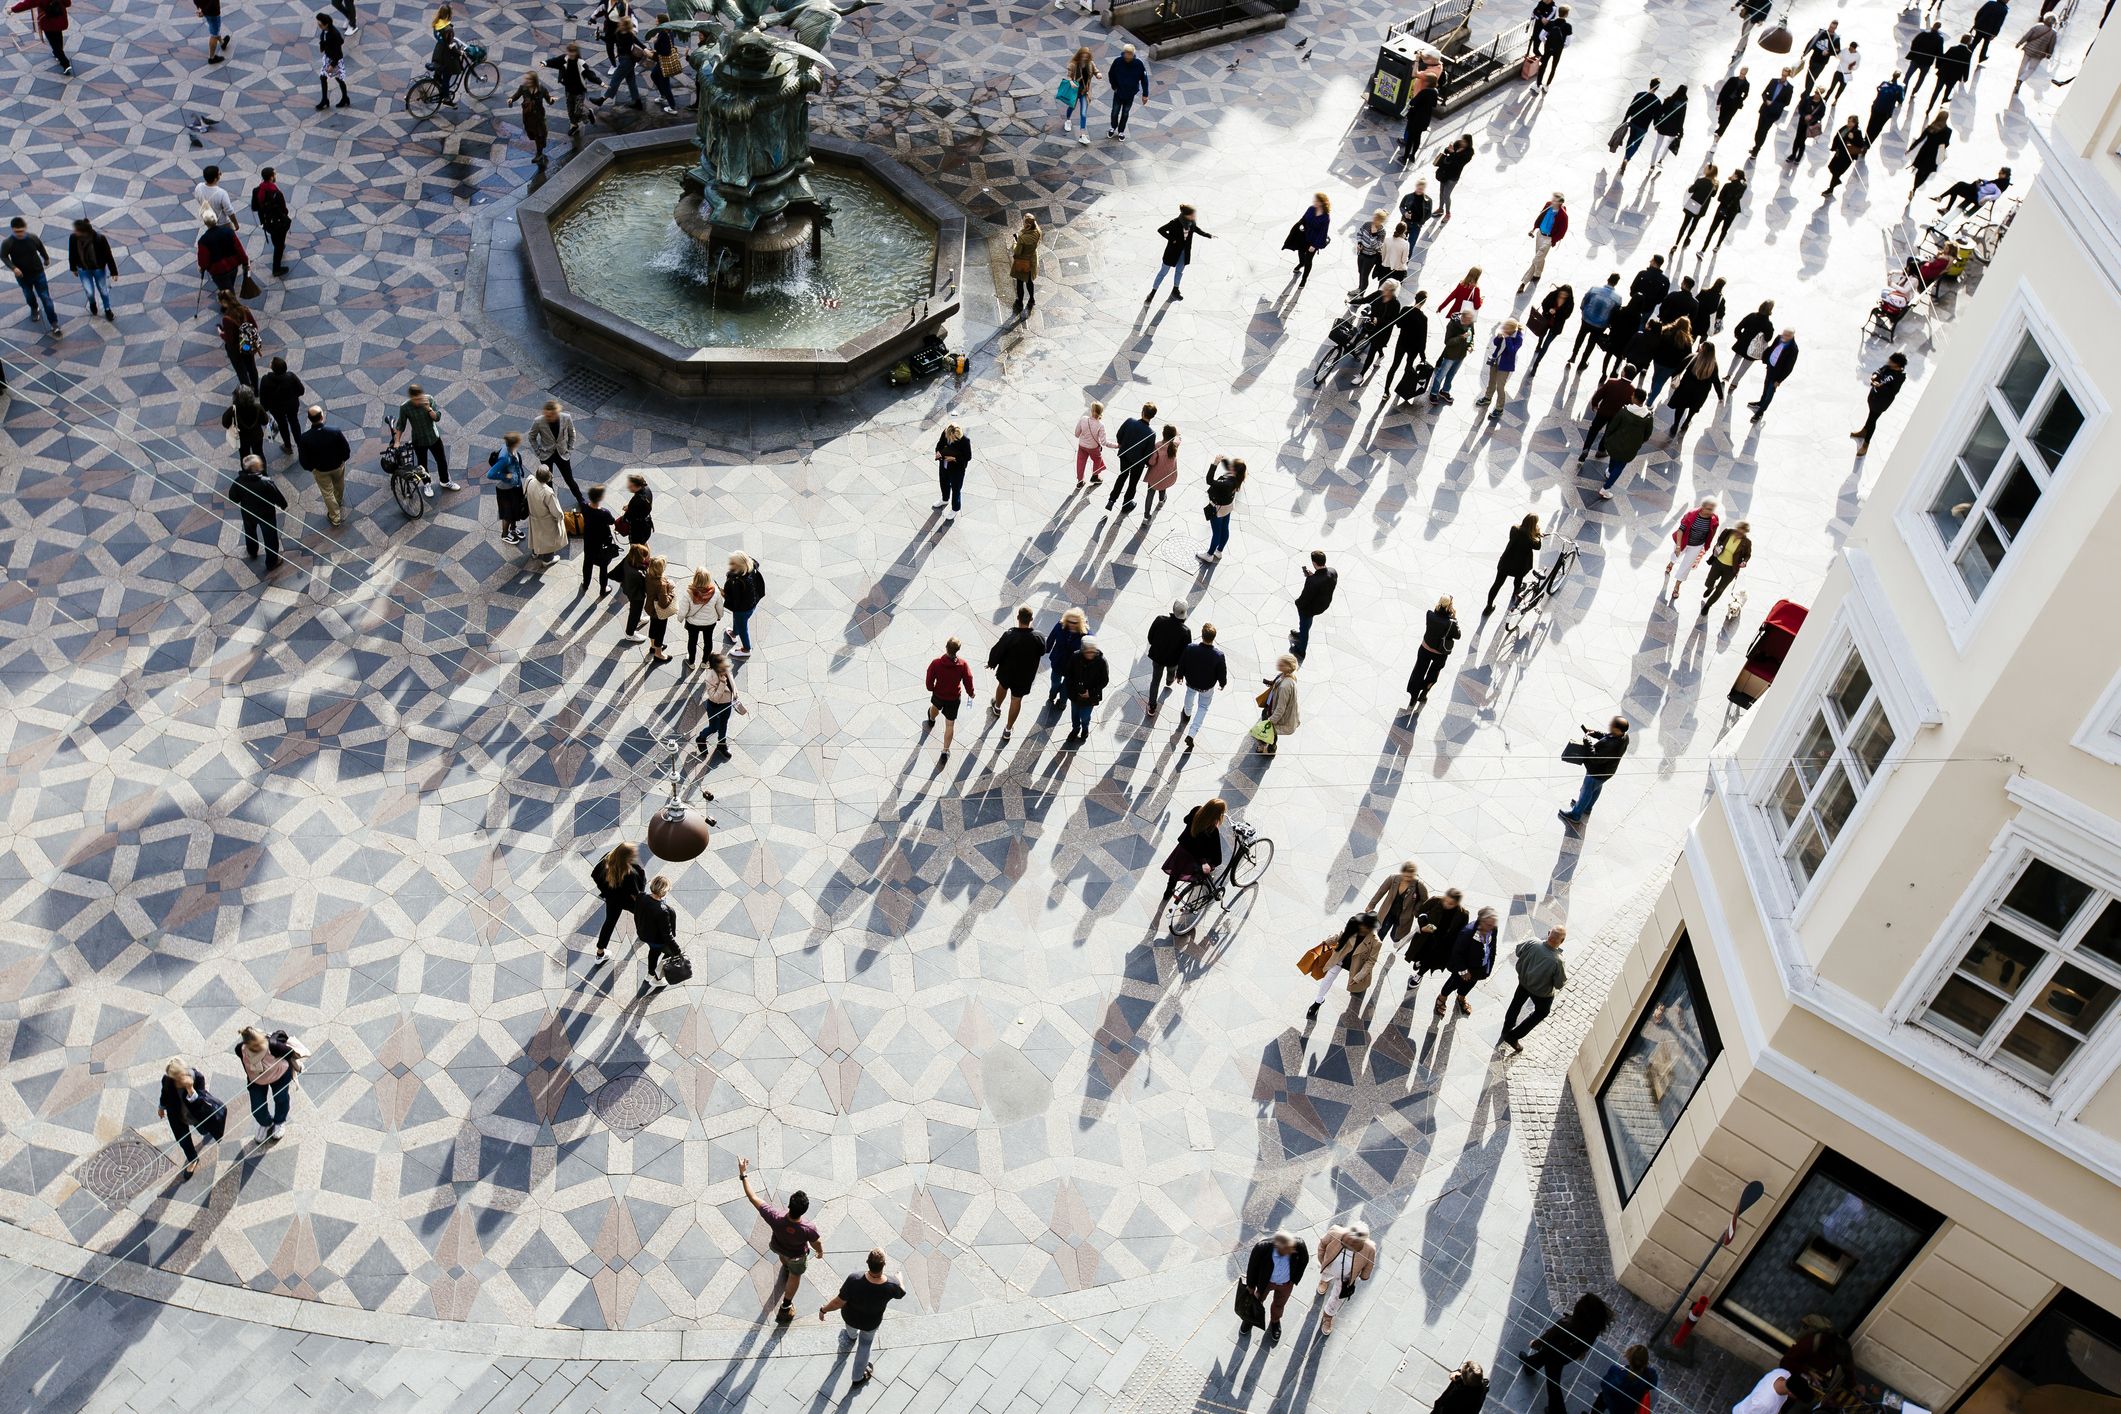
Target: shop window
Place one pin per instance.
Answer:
(1658, 1070)
(1831, 1252)
(2068, 1361)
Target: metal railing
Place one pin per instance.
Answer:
(1167, 20)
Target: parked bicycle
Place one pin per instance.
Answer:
(1250, 854)
(1541, 587)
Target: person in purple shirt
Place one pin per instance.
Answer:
(793, 1241)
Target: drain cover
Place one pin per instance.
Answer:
(121, 1171)
(585, 390)
(629, 1103)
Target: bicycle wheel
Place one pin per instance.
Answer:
(1251, 866)
(424, 99)
(406, 490)
(482, 79)
(1326, 360)
(1189, 906)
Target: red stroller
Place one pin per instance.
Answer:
(1766, 652)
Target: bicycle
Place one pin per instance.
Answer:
(408, 479)
(1541, 587)
(1351, 334)
(479, 77)
(1249, 857)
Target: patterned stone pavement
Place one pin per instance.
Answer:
(359, 800)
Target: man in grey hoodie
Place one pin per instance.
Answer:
(1540, 976)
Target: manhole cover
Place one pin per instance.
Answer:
(585, 390)
(629, 1103)
(120, 1172)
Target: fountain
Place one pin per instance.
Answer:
(714, 275)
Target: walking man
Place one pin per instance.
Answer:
(1730, 97)
(1642, 111)
(1884, 103)
(1885, 386)
(949, 684)
(1540, 975)
(1593, 314)
(269, 204)
(1774, 102)
(1136, 439)
(51, 23)
(1601, 762)
(791, 1240)
(861, 1304)
(1277, 1263)
(1129, 78)
(1555, 39)
(1778, 363)
(1607, 400)
(281, 392)
(1203, 669)
(1312, 600)
(1178, 234)
(1548, 227)
(1014, 661)
(1169, 637)
(27, 259)
(2038, 46)
(324, 452)
(260, 503)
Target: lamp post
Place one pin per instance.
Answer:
(676, 833)
(1751, 1194)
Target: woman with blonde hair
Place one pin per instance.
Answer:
(660, 597)
(1277, 706)
(1161, 473)
(743, 590)
(719, 693)
(1023, 263)
(619, 879)
(269, 1066)
(1091, 439)
(187, 1106)
(1309, 235)
(1061, 642)
(1082, 74)
(702, 610)
(1439, 631)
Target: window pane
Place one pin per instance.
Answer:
(2103, 938)
(1965, 1011)
(1788, 800)
(2075, 999)
(2001, 958)
(2046, 897)
(2022, 379)
(2068, 1361)
(1953, 503)
(1658, 1072)
(1983, 449)
(1850, 688)
(1977, 562)
(2057, 427)
(1804, 852)
(2036, 1050)
(1834, 802)
(1871, 740)
(2014, 501)
(1815, 753)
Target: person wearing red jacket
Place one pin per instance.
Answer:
(1548, 227)
(1691, 541)
(51, 23)
(949, 683)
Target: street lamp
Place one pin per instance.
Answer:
(1752, 1193)
(676, 833)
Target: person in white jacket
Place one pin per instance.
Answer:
(700, 606)
(548, 528)
(1091, 439)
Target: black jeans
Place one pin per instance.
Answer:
(695, 636)
(1687, 223)
(1516, 579)
(250, 442)
(1027, 292)
(1305, 254)
(259, 531)
(56, 38)
(1548, 64)
(614, 910)
(213, 1124)
(268, 1103)
(246, 366)
(1126, 484)
(438, 452)
(1427, 668)
(1513, 1032)
(565, 468)
(658, 626)
(346, 8)
(1720, 577)
(634, 605)
(1719, 226)
(277, 232)
(1587, 337)
(1121, 107)
(283, 423)
(598, 563)
(1877, 410)
(951, 477)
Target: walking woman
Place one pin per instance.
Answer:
(1700, 195)
(240, 339)
(1161, 474)
(1225, 478)
(702, 610)
(1728, 199)
(1277, 706)
(1733, 552)
(1566, 1341)
(1450, 166)
(1471, 962)
(660, 598)
(246, 416)
(1439, 631)
(1355, 952)
(505, 470)
(1928, 151)
(1669, 352)
(1515, 562)
(1091, 439)
(953, 454)
(1369, 245)
(633, 583)
(1551, 318)
(1396, 901)
(1199, 850)
(743, 590)
(187, 1107)
(619, 879)
(1502, 362)
(532, 96)
(269, 1067)
(1696, 382)
(1082, 73)
(1061, 642)
(1309, 235)
(1626, 1385)
(1346, 1256)
(88, 255)
(1464, 294)
(1023, 262)
(719, 693)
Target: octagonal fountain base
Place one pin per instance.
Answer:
(619, 278)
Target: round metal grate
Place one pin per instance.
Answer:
(121, 1171)
(629, 1103)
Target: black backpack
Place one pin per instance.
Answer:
(1415, 381)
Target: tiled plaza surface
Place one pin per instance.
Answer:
(360, 800)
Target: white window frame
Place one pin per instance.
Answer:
(2101, 733)
(1963, 613)
(2083, 843)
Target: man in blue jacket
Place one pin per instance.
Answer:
(1135, 441)
(1599, 305)
(324, 452)
(1129, 78)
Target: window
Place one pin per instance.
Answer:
(2040, 973)
(2068, 1361)
(1836, 757)
(1659, 1069)
(2029, 418)
(1843, 1237)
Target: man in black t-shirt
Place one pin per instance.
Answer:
(861, 1304)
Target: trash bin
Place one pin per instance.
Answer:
(1392, 82)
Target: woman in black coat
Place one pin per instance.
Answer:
(620, 881)
(1439, 631)
(1695, 383)
(1438, 925)
(1199, 850)
(637, 521)
(1568, 1339)
(1516, 560)
(1928, 151)
(1552, 315)
(187, 1106)
(1466, 1393)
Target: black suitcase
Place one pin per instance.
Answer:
(1415, 381)
(677, 968)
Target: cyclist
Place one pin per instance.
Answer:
(449, 61)
(1380, 315)
(1199, 850)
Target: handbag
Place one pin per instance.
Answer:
(621, 525)
(1266, 694)
(1067, 93)
(572, 520)
(1251, 1311)
(1693, 206)
(249, 289)
(1317, 958)
(1347, 1288)
(671, 64)
(1576, 753)
(1263, 732)
(676, 967)
(1207, 512)
(1529, 68)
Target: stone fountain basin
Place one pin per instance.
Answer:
(734, 371)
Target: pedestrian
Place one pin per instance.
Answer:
(216, 42)
(221, 255)
(1354, 951)
(1502, 362)
(270, 1064)
(1369, 245)
(1749, 342)
(1472, 962)
(260, 503)
(1278, 716)
(51, 23)
(27, 260)
(1549, 319)
(637, 519)
(575, 82)
(1313, 599)
(1162, 473)
(245, 415)
(1734, 550)
(599, 545)
(1636, 121)
(1062, 641)
(1730, 98)
(718, 691)
(1777, 1390)
(1844, 72)
(504, 469)
(743, 590)
(1198, 851)
(1923, 51)
(1277, 1263)
(1647, 291)
(1169, 637)
(548, 523)
(1988, 23)
(1548, 227)
(1450, 165)
(1023, 264)
(633, 584)
(861, 1304)
(1540, 977)
(1594, 313)
(1203, 669)
(1819, 51)
(1457, 343)
(281, 392)
(1014, 661)
(1885, 102)
(1690, 542)
(1607, 399)
(1811, 116)
(323, 452)
(1346, 1255)
(1628, 1384)
(1515, 562)
(1467, 1390)
(1075, 90)
(700, 606)
(1091, 440)
(1136, 442)
(268, 202)
(655, 922)
(1226, 477)
(420, 423)
(660, 598)
(1437, 924)
(1439, 631)
(240, 338)
(1670, 125)
(1696, 381)
(1954, 67)
(611, 17)
(1729, 198)
(1128, 78)
(2036, 46)
(1395, 251)
(1700, 193)
(789, 1238)
(1601, 762)
(1397, 899)
(1778, 362)
(1553, 41)
(1416, 206)
(346, 8)
(88, 255)
(1568, 1339)
(1084, 677)
(1844, 152)
(1679, 304)
(1421, 111)
(552, 441)
(210, 198)
(1630, 428)
(532, 98)
(1886, 383)
(1178, 234)
(1310, 235)
(1775, 98)
(625, 53)
(1411, 349)
(187, 1106)
(949, 681)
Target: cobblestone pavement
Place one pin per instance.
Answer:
(359, 800)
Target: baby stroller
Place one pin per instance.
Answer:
(1763, 657)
